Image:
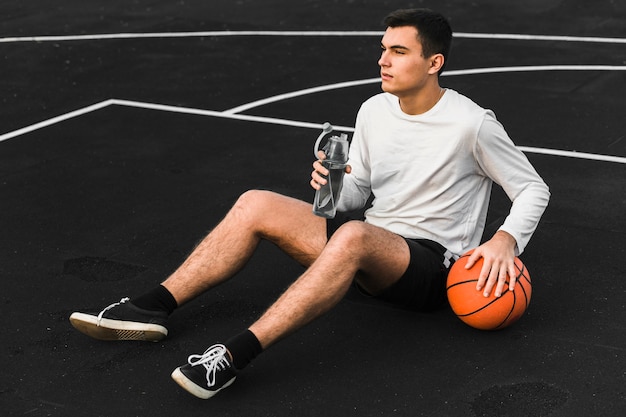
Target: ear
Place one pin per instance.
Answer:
(436, 62)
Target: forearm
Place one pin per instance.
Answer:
(525, 214)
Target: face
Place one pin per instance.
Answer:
(404, 70)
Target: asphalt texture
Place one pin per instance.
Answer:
(102, 204)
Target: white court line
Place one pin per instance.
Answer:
(521, 37)
(271, 120)
(319, 126)
(55, 120)
(201, 34)
(225, 115)
(223, 33)
(172, 109)
(449, 73)
(573, 154)
(298, 93)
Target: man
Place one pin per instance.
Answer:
(427, 154)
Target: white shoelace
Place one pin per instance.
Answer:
(213, 359)
(122, 301)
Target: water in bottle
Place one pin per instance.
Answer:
(336, 150)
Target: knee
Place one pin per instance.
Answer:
(349, 243)
(253, 203)
(251, 198)
(351, 234)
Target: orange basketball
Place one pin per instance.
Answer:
(486, 313)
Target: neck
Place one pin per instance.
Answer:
(422, 101)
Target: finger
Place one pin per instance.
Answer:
(484, 272)
(488, 277)
(315, 185)
(473, 258)
(319, 171)
(512, 276)
(318, 178)
(500, 287)
(483, 276)
(320, 168)
(348, 169)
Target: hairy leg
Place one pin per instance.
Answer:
(287, 222)
(380, 258)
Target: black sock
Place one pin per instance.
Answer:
(157, 299)
(243, 348)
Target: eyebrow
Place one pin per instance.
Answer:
(404, 48)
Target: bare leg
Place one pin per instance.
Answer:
(379, 256)
(257, 215)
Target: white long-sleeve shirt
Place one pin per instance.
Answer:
(431, 174)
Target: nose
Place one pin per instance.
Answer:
(383, 61)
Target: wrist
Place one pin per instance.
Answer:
(505, 237)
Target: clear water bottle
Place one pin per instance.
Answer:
(336, 150)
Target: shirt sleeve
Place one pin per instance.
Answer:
(507, 166)
(356, 185)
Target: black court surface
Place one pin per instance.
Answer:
(129, 128)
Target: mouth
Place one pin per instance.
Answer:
(385, 76)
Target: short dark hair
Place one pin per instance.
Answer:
(433, 30)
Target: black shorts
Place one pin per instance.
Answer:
(422, 287)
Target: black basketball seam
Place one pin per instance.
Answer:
(461, 282)
(527, 279)
(508, 315)
(476, 311)
(522, 274)
(527, 301)
(482, 308)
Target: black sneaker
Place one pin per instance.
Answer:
(207, 374)
(122, 321)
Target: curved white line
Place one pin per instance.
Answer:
(109, 36)
(450, 73)
(298, 93)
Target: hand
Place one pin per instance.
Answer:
(498, 261)
(320, 172)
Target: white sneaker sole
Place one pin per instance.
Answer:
(109, 329)
(194, 389)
